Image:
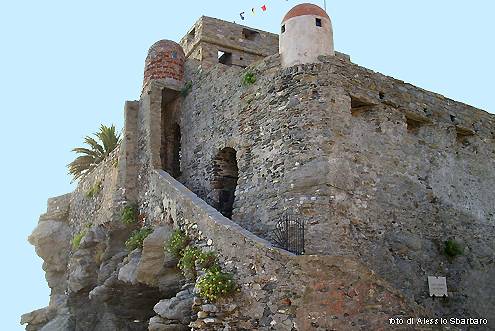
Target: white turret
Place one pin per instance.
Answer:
(306, 33)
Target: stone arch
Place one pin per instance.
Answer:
(224, 181)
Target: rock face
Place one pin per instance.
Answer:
(51, 239)
(96, 283)
(157, 267)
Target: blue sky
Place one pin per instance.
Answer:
(67, 66)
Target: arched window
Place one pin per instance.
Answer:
(225, 175)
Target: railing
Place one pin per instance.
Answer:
(289, 234)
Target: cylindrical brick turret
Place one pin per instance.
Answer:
(165, 61)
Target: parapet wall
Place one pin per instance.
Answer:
(97, 207)
(210, 35)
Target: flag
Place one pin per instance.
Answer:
(263, 7)
(252, 11)
(242, 15)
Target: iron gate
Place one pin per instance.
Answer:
(289, 234)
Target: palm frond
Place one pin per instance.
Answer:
(95, 152)
(94, 145)
(81, 165)
(108, 137)
(87, 151)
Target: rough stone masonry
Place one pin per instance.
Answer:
(382, 173)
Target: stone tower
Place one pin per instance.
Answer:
(305, 34)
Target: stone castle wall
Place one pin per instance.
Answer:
(382, 172)
(338, 145)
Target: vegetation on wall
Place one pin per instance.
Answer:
(76, 240)
(187, 263)
(137, 238)
(248, 78)
(95, 152)
(129, 214)
(214, 283)
(94, 189)
(186, 89)
(452, 248)
(207, 260)
(177, 243)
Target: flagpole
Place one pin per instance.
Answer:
(325, 4)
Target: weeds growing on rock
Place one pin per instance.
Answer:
(215, 284)
(94, 189)
(452, 248)
(187, 263)
(137, 238)
(177, 243)
(186, 89)
(76, 240)
(129, 214)
(248, 78)
(207, 260)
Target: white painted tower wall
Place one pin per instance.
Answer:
(303, 41)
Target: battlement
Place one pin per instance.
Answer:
(212, 40)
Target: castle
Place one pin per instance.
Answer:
(236, 128)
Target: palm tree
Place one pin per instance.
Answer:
(96, 152)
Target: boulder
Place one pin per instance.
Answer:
(178, 309)
(82, 271)
(128, 272)
(159, 324)
(156, 262)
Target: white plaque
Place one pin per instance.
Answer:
(437, 286)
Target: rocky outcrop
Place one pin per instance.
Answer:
(157, 267)
(97, 284)
(51, 239)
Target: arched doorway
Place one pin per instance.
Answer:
(225, 175)
(170, 151)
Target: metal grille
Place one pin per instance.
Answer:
(289, 234)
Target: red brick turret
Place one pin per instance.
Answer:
(165, 60)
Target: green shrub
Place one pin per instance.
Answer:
(95, 189)
(452, 248)
(215, 284)
(76, 240)
(137, 237)
(129, 214)
(187, 263)
(248, 78)
(186, 89)
(207, 260)
(177, 243)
